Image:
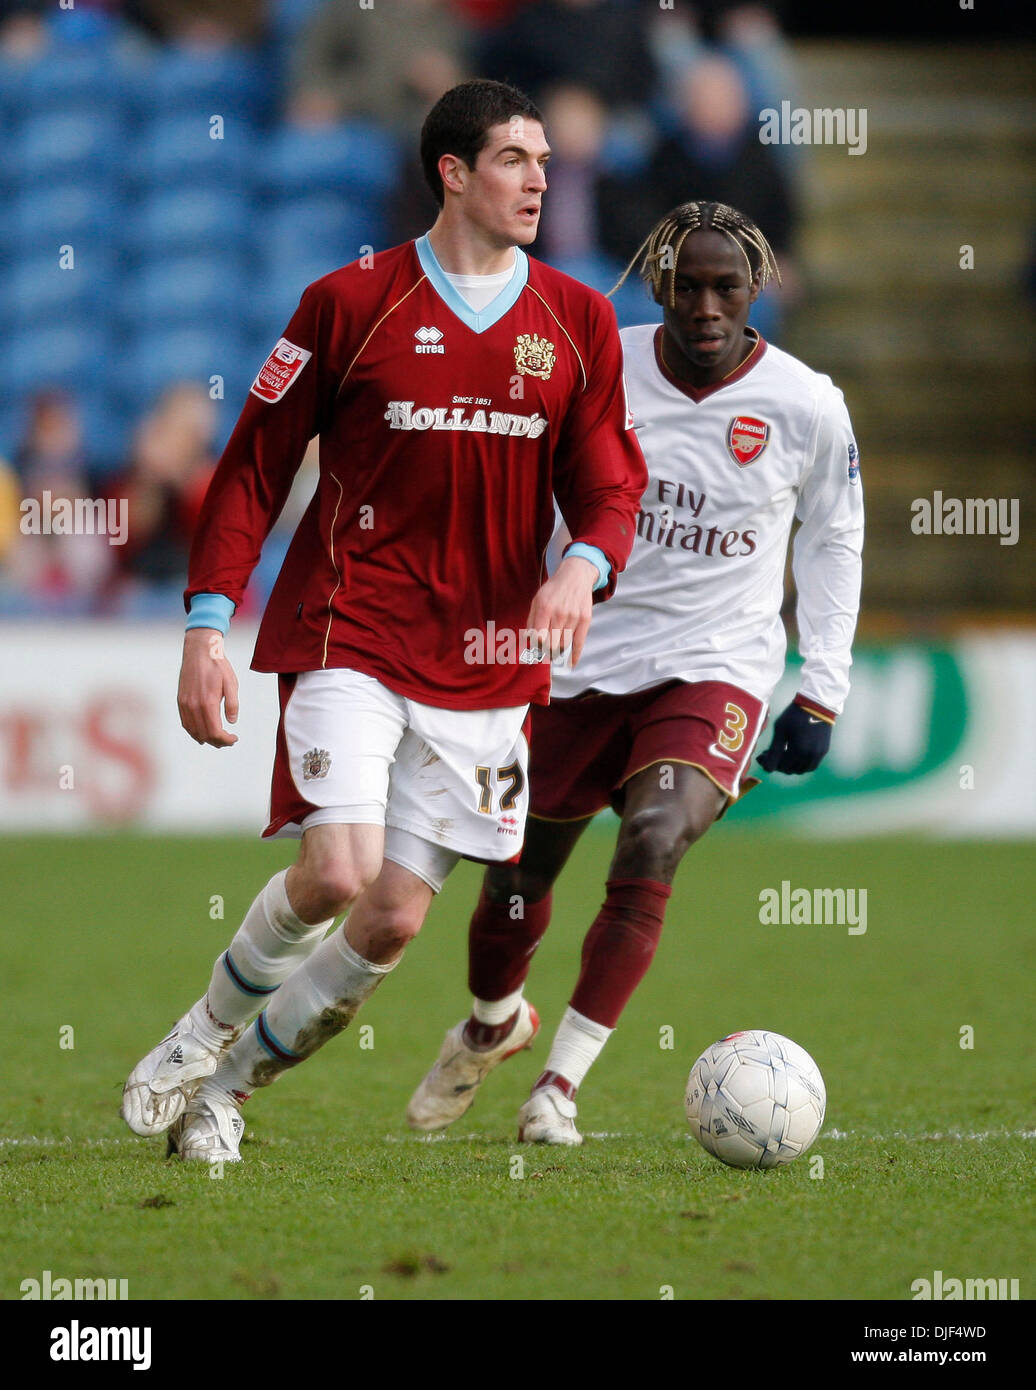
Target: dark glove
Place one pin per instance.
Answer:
(801, 738)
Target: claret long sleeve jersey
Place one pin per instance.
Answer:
(445, 435)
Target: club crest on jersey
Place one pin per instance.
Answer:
(747, 437)
(279, 370)
(315, 763)
(534, 356)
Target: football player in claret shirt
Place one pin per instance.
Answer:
(458, 387)
(661, 716)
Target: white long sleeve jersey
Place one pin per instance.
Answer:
(730, 467)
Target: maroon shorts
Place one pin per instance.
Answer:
(585, 750)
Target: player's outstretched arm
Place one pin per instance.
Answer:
(207, 680)
(561, 608)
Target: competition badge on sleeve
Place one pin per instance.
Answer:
(279, 370)
(854, 462)
(747, 437)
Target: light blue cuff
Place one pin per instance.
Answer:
(596, 557)
(211, 610)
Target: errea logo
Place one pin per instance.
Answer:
(429, 340)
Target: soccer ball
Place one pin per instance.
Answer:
(755, 1100)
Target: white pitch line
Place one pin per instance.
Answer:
(956, 1135)
(917, 1138)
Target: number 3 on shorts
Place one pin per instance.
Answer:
(513, 775)
(732, 735)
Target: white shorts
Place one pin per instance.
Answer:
(444, 783)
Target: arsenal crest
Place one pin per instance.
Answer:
(534, 356)
(747, 437)
(316, 763)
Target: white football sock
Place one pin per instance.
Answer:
(316, 1002)
(577, 1045)
(269, 944)
(496, 1011)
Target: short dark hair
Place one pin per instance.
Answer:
(460, 121)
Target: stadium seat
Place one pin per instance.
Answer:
(64, 355)
(12, 104)
(321, 227)
(179, 151)
(147, 363)
(632, 303)
(277, 296)
(287, 17)
(36, 290)
(201, 82)
(73, 78)
(74, 145)
(354, 158)
(180, 220)
(194, 290)
(66, 213)
(107, 429)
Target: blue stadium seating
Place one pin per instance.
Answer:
(35, 291)
(148, 363)
(58, 144)
(321, 227)
(71, 78)
(65, 355)
(354, 158)
(199, 291)
(204, 82)
(65, 213)
(288, 16)
(277, 296)
(179, 151)
(174, 221)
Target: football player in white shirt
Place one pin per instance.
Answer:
(662, 714)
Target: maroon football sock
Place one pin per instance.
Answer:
(501, 946)
(619, 947)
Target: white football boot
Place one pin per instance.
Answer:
(160, 1086)
(450, 1087)
(209, 1130)
(548, 1117)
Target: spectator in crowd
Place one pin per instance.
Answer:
(576, 120)
(201, 23)
(346, 64)
(714, 153)
(600, 44)
(53, 443)
(164, 486)
(10, 496)
(749, 33)
(23, 31)
(49, 569)
(486, 14)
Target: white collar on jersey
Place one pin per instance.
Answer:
(455, 301)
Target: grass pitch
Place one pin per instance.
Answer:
(926, 1149)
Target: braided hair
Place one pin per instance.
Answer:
(660, 249)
